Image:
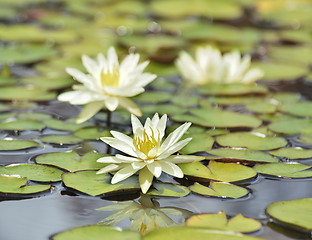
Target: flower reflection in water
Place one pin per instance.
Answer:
(145, 214)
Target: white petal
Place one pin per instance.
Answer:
(122, 137)
(174, 148)
(123, 173)
(91, 66)
(161, 126)
(111, 103)
(86, 80)
(119, 145)
(89, 111)
(138, 165)
(127, 159)
(109, 168)
(252, 75)
(112, 59)
(154, 168)
(184, 158)
(109, 159)
(171, 169)
(145, 179)
(79, 97)
(136, 124)
(130, 106)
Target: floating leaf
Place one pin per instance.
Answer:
(224, 172)
(239, 223)
(292, 153)
(96, 232)
(168, 190)
(200, 142)
(92, 133)
(61, 139)
(37, 116)
(292, 127)
(301, 109)
(62, 125)
(250, 140)
(286, 170)
(16, 144)
(230, 154)
(153, 97)
(71, 161)
(261, 107)
(175, 233)
(33, 172)
(21, 125)
(25, 93)
(163, 109)
(219, 189)
(48, 83)
(17, 185)
(97, 184)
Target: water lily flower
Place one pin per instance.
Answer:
(147, 151)
(210, 66)
(107, 83)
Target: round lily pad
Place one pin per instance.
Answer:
(168, 190)
(21, 125)
(292, 126)
(250, 140)
(301, 109)
(153, 97)
(18, 185)
(48, 83)
(292, 153)
(25, 93)
(92, 133)
(98, 184)
(62, 125)
(219, 221)
(16, 144)
(34, 172)
(224, 172)
(261, 107)
(60, 139)
(285, 170)
(176, 233)
(71, 161)
(241, 155)
(97, 232)
(200, 142)
(296, 214)
(219, 189)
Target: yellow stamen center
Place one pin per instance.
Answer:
(146, 142)
(110, 78)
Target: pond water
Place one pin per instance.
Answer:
(256, 126)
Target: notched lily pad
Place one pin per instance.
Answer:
(98, 184)
(219, 221)
(60, 139)
(285, 170)
(293, 153)
(168, 190)
(296, 214)
(22, 125)
(18, 185)
(217, 171)
(219, 189)
(16, 144)
(71, 161)
(34, 172)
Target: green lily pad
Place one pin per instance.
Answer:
(292, 127)
(177, 233)
(239, 223)
(6, 81)
(231, 89)
(97, 232)
(62, 125)
(48, 83)
(36, 116)
(92, 133)
(153, 97)
(219, 189)
(21, 125)
(305, 138)
(18, 185)
(16, 144)
(98, 184)
(261, 107)
(292, 153)
(61, 139)
(241, 155)
(71, 161)
(33, 172)
(251, 140)
(296, 214)
(285, 170)
(200, 142)
(217, 171)
(163, 109)
(185, 100)
(168, 190)
(25, 93)
(218, 118)
(301, 109)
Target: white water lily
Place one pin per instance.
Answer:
(210, 66)
(149, 154)
(107, 83)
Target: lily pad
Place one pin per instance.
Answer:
(239, 223)
(168, 190)
(296, 214)
(97, 232)
(217, 171)
(153, 97)
(250, 140)
(25, 93)
(292, 153)
(301, 109)
(98, 184)
(92, 133)
(18, 185)
(163, 109)
(261, 107)
(292, 126)
(37, 116)
(200, 142)
(219, 189)
(16, 144)
(21, 125)
(285, 170)
(232, 154)
(34, 172)
(61, 139)
(62, 125)
(177, 233)
(71, 161)
(48, 83)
